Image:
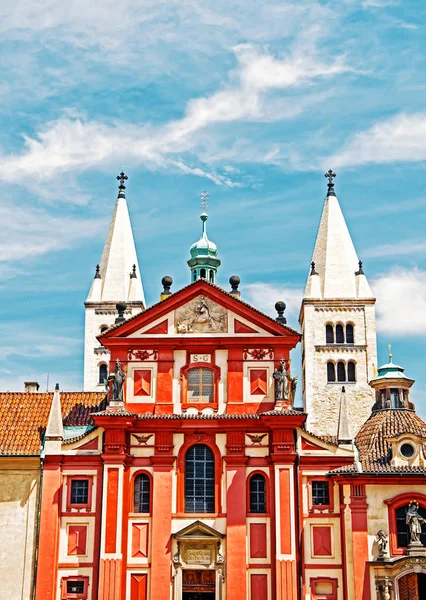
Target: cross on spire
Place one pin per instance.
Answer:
(122, 178)
(204, 197)
(330, 176)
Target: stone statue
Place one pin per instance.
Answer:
(281, 377)
(118, 377)
(414, 522)
(382, 541)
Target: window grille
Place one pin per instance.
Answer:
(200, 385)
(320, 493)
(199, 480)
(79, 491)
(142, 494)
(257, 494)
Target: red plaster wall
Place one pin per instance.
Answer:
(111, 511)
(259, 586)
(257, 540)
(236, 532)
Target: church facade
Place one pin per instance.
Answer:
(194, 476)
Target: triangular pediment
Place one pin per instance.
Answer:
(200, 309)
(198, 530)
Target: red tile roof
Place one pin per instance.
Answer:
(24, 417)
(373, 445)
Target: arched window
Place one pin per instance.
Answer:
(340, 338)
(341, 371)
(349, 333)
(199, 480)
(194, 275)
(211, 276)
(351, 371)
(329, 334)
(402, 529)
(331, 372)
(203, 273)
(103, 373)
(103, 328)
(257, 493)
(200, 385)
(142, 494)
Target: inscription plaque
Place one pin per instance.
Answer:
(198, 556)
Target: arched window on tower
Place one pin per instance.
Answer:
(199, 480)
(211, 276)
(194, 275)
(349, 333)
(329, 334)
(103, 373)
(203, 273)
(331, 372)
(257, 493)
(340, 338)
(351, 371)
(142, 494)
(341, 371)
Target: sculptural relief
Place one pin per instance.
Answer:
(201, 315)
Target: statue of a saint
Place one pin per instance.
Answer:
(414, 522)
(118, 377)
(382, 541)
(281, 377)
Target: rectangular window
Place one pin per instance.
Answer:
(75, 587)
(200, 385)
(79, 491)
(320, 493)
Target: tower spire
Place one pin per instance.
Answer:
(204, 262)
(117, 279)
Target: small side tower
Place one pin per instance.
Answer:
(117, 279)
(204, 261)
(338, 324)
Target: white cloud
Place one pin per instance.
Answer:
(404, 248)
(399, 139)
(401, 302)
(263, 296)
(73, 144)
(30, 232)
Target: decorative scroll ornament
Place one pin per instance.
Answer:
(142, 354)
(258, 353)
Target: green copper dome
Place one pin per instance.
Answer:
(204, 261)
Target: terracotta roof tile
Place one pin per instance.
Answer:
(24, 417)
(373, 447)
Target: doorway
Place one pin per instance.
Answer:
(198, 584)
(412, 586)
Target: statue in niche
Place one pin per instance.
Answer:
(414, 521)
(118, 376)
(281, 376)
(382, 541)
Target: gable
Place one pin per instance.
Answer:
(200, 309)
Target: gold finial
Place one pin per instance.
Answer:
(390, 352)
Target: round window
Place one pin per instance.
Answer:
(407, 450)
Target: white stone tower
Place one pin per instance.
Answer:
(117, 279)
(338, 328)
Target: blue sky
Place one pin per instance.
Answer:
(252, 101)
